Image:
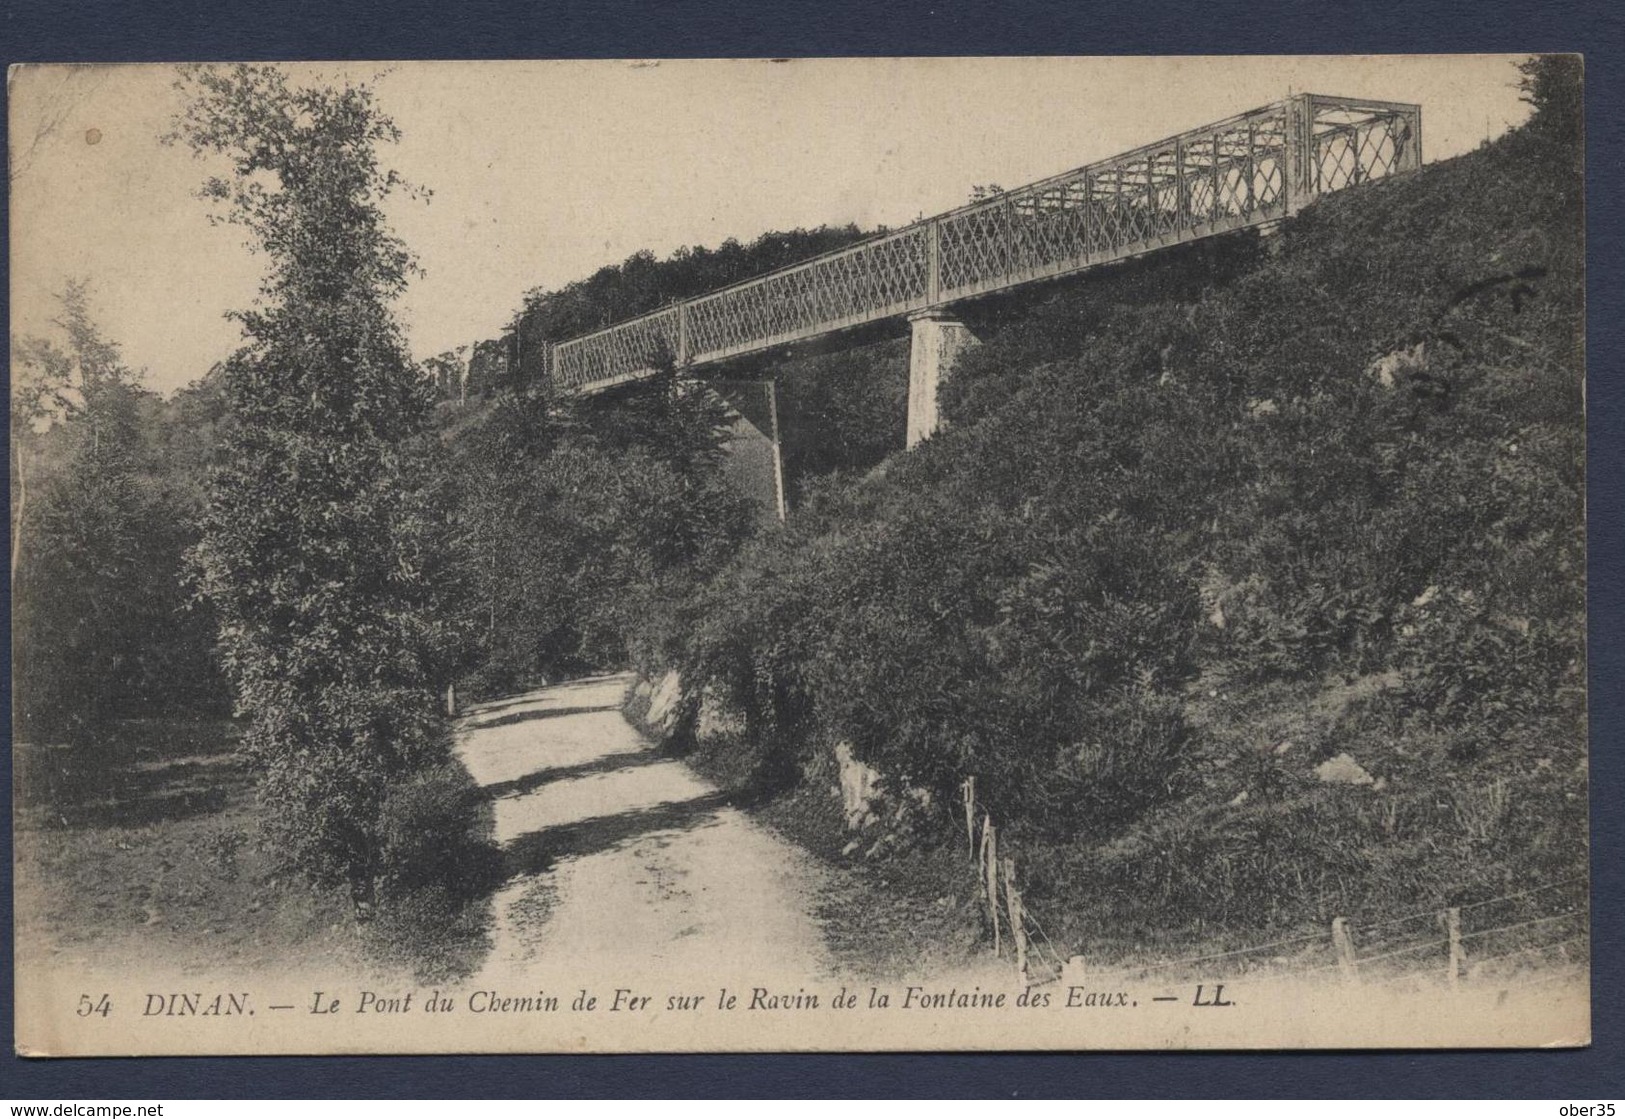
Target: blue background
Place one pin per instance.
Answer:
(172, 30)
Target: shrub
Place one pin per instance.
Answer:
(1193, 469)
(582, 519)
(324, 546)
(1554, 85)
(435, 862)
(434, 838)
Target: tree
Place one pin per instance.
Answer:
(323, 546)
(583, 516)
(87, 381)
(89, 535)
(1554, 85)
(41, 375)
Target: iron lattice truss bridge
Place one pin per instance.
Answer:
(1240, 173)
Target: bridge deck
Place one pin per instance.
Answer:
(1238, 173)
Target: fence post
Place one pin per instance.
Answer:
(451, 699)
(969, 791)
(1452, 925)
(1344, 943)
(1018, 930)
(990, 877)
(981, 865)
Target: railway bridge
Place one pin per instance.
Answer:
(1244, 172)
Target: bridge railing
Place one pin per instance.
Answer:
(1242, 172)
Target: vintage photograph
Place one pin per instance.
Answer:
(841, 554)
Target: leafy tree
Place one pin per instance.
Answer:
(41, 375)
(843, 411)
(87, 381)
(324, 546)
(1554, 85)
(95, 555)
(581, 517)
(1172, 494)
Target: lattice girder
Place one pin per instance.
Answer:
(1246, 171)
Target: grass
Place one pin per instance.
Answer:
(1388, 573)
(144, 850)
(903, 899)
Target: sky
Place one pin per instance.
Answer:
(543, 172)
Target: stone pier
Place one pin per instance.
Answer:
(938, 340)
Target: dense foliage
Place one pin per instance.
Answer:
(842, 412)
(584, 519)
(580, 517)
(1196, 526)
(325, 545)
(1554, 85)
(1199, 525)
(104, 498)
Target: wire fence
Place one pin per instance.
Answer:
(1527, 938)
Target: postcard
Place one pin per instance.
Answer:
(842, 554)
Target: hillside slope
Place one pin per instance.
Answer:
(1248, 584)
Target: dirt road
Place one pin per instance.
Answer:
(623, 861)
